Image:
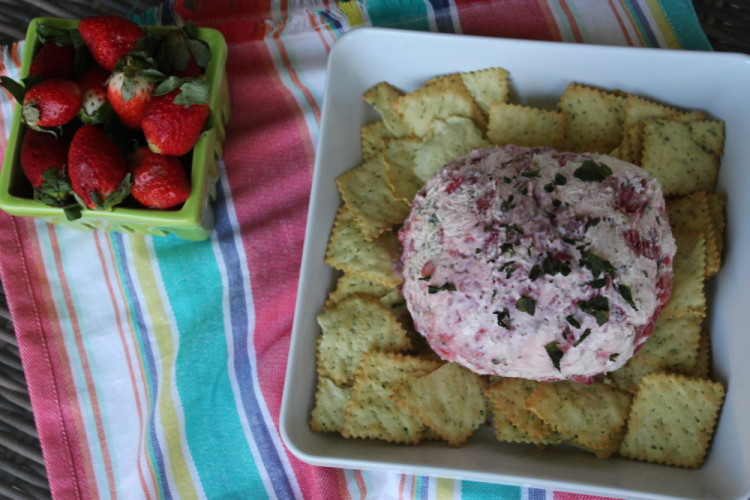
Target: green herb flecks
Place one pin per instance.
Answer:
(591, 171)
(598, 307)
(555, 353)
(530, 173)
(596, 264)
(573, 322)
(503, 318)
(446, 287)
(535, 273)
(583, 336)
(560, 179)
(527, 305)
(627, 295)
(600, 283)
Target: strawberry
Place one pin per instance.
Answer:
(51, 103)
(129, 89)
(53, 61)
(95, 107)
(159, 181)
(109, 38)
(43, 161)
(175, 120)
(97, 169)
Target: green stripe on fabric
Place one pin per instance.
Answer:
(681, 16)
(403, 14)
(472, 490)
(213, 429)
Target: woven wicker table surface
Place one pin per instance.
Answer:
(22, 474)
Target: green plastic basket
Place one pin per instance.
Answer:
(193, 221)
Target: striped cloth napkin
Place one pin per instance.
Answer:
(156, 365)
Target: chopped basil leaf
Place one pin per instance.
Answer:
(506, 248)
(549, 187)
(508, 268)
(598, 307)
(507, 180)
(507, 204)
(487, 228)
(583, 336)
(614, 356)
(446, 287)
(503, 318)
(523, 191)
(627, 295)
(530, 173)
(560, 179)
(555, 353)
(596, 264)
(593, 222)
(554, 266)
(477, 250)
(536, 272)
(598, 283)
(573, 322)
(425, 278)
(527, 305)
(556, 202)
(434, 219)
(591, 171)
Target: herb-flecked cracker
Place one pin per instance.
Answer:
(370, 198)
(382, 97)
(449, 400)
(692, 213)
(330, 403)
(441, 98)
(349, 251)
(672, 420)
(593, 118)
(591, 415)
(509, 397)
(349, 284)
(525, 126)
(373, 412)
(689, 268)
(487, 86)
(352, 327)
(372, 138)
(683, 156)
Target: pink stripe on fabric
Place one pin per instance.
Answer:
(45, 365)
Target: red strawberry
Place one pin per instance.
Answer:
(109, 38)
(97, 169)
(53, 61)
(94, 108)
(174, 121)
(159, 181)
(129, 91)
(43, 161)
(51, 103)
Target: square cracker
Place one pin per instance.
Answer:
(349, 284)
(508, 396)
(330, 403)
(441, 98)
(689, 268)
(372, 411)
(372, 138)
(349, 251)
(382, 97)
(683, 156)
(370, 198)
(351, 328)
(672, 420)
(411, 162)
(693, 213)
(525, 126)
(593, 118)
(487, 86)
(449, 400)
(591, 415)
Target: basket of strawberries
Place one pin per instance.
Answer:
(117, 127)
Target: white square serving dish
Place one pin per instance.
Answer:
(717, 83)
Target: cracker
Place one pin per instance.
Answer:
(691, 213)
(449, 400)
(372, 411)
(672, 420)
(349, 251)
(382, 97)
(372, 138)
(441, 98)
(352, 327)
(349, 284)
(683, 156)
(591, 415)
(716, 205)
(411, 162)
(689, 268)
(509, 397)
(593, 118)
(703, 361)
(487, 86)
(330, 403)
(524, 125)
(370, 198)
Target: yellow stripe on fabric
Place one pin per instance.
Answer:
(167, 353)
(445, 489)
(353, 13)
(665, 27)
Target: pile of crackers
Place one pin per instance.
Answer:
(377, 377)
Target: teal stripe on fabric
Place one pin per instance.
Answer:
(403, 14)
(681, 16)
(213, 429)
(472, 490)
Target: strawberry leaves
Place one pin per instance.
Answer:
(192, 90)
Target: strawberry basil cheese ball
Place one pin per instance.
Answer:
(533, 263)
